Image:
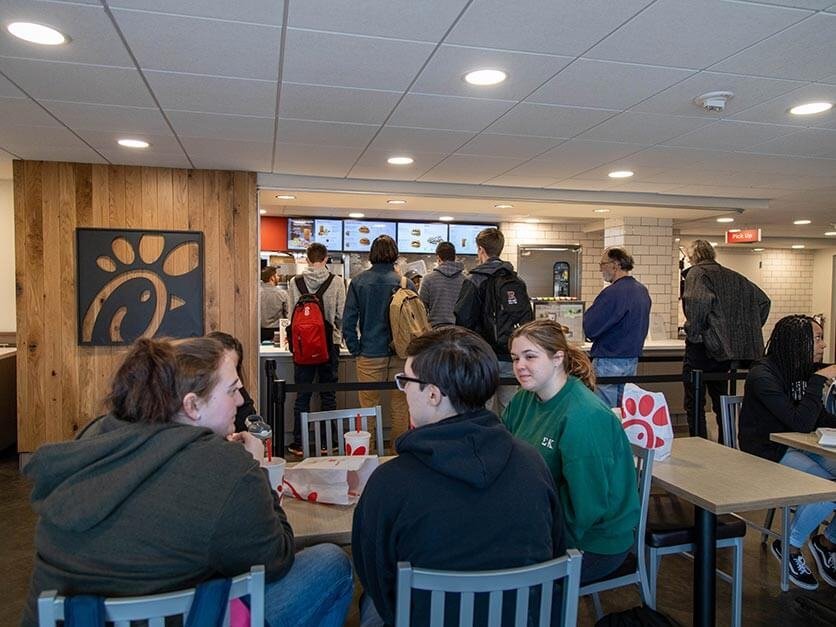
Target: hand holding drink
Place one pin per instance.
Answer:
(259, 429)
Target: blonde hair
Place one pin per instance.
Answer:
(549, 336)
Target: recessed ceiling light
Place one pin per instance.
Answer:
(676, 239)
(356, 214)
(757, 250)
(620, 174)
(446, 218)
(532, 220)
(37, 33)
(485, 77)
(262, 211)
(714, 244)
(725, 220)
(503, 206)
(133, 143)
(797, 246)
(809, 108)
(600, 211)
(396, 202)
(285, 196)
(400, 160)
(801, 222)
(830, 233)
(734, 230)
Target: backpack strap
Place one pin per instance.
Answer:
(324, 287)
(403, 282)
(301, 285)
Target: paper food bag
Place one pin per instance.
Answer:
(646, 420)
(337, 480)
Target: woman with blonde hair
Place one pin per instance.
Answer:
(581, 441)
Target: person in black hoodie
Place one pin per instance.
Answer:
(784, 393)
(443, 503)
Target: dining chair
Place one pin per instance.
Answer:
(539, 578)
(634, 569)
(325, 423)
(156, 608)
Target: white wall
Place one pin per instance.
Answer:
(7, 257)
(824, 284)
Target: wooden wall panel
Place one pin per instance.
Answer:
(61, 385)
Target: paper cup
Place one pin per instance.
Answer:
(275, 472)
(357, 442)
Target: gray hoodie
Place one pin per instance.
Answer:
(333, 300)
(439, 291)
(132, 509)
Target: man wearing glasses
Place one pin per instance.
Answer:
(444, 502)
(617, 323)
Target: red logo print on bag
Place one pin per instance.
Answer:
(645, 407)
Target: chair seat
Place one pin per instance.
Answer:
(628, 567)
(669, 533)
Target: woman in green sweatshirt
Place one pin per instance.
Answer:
(581, 441)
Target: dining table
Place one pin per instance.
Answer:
(805, 442)
(722, 480)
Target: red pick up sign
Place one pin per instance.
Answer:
(743, 236)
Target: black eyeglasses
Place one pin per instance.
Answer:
(401, 380)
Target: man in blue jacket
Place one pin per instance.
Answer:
(617, 323)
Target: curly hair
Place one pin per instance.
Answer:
(790, 350)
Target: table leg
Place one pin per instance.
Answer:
(705, 565)
(785, 547)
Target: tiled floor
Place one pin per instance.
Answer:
(763, 604)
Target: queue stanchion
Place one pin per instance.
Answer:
(270, 411)
(280, 394)
(699, 403)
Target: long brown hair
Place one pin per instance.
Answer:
(156, 375)
(549, 336)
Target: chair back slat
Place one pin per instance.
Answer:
(546, 592)
(729, 414)
(521, 616)
(495, 609)
(437, 611)
(122, 623)
(466, 609)
(157, 621)
(341, 420)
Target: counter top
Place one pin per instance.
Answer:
(8, 352)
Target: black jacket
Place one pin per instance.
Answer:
(768, 408)
(463, 494)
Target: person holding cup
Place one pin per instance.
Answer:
(160, 494)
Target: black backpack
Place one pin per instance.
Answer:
(505, 307)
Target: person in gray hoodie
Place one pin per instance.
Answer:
(333, 302)
(159, 495)
(440, 288)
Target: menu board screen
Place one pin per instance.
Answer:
(420, 237)
(329, 233)
(359, 234)
(463, 237)
(299, 233)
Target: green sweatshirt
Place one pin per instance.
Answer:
(590, 458)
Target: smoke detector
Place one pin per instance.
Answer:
(714, 101)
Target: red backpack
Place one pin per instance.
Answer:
(311, 335)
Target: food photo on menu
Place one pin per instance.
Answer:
(359, 234)
(463, 237)
(421, 237)
(299, 233)
(329, 233)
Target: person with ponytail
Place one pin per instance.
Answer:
(159, 494)
(784, 393)
(581, 441)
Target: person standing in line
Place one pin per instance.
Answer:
(471, 309)
(724, 316)
(333, 302)
(272, 303)
(440, 288)
(367, 332)
(617, 323)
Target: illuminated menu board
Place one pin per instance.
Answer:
(463, 237)
(299, 233)
(329, 233)
(359, 234)
(420, 237)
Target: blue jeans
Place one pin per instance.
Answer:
(808, 517)
(316, 591)
(326, 373)
(611, 393)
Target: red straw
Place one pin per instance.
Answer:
(268, 444)
(357, 423)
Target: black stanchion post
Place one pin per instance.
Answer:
(733, 378)
(699, 403)
(268, 411)
(279, 396)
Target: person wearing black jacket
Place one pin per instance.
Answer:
(784, 393)
(444, 502)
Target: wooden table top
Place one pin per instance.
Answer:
(722, 480)
(803, 441)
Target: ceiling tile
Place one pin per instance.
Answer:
(103, 140)
(551, 26)
(224, 154)
(372, 165)
(730, 135)
(776, 111)
(8, 90)
(665, 157)
(78, 83)
(445, 72)
(209, 94)
(817, 5)
(643, 128)
(267, 12)
(201, 46)
(352, 61)
(748, 91)
(427, 20)
(78, 154)
(165, 160)
(213, 126)
(572, 157)
(314, 160)
(78, 115)
(326, 133)
(18, 139)
(606, 84)
(469, 169)
(515, 146)
(336, 104)
(548, 120)
(510, 180)
(804, 143)
(687, 34)
(23, 112)
(803, 51)
(448, 112)
(93, 38)
(407, 140)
